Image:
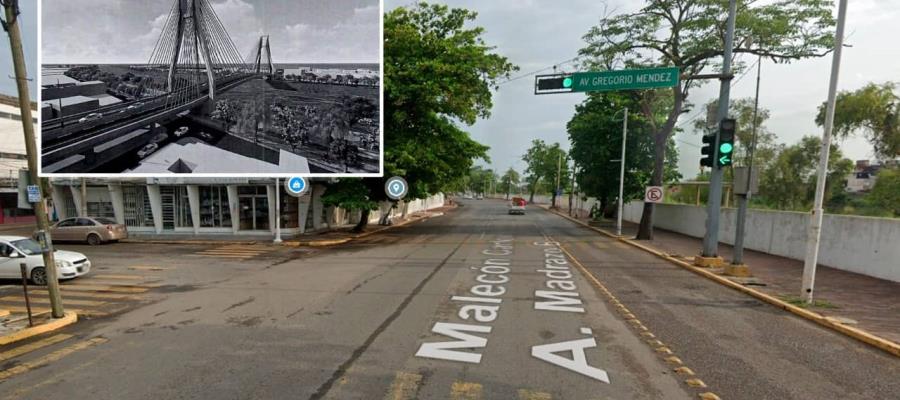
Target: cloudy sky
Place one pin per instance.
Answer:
(28, 27)
(125, 31)
(536, 34)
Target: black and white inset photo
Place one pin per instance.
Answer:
(211, 87)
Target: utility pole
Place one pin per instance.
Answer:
(711, 239)
(15, 41)
(84, 212)
(622, 175)
(815, 222)
(558, 171)
(277, 212)
(744, 200)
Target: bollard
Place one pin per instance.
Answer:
(24, 269)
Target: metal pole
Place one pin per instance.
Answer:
(277, 212)
(84, 198)
(558, 171)
(744, 200)
(711, 239)
(24, 269)
(815, 222)
(15, 41)
(622, 175)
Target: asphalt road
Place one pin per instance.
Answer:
(377, 319)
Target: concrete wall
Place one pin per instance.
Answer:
(865, 245)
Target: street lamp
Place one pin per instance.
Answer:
(621, 170)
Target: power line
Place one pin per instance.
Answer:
(537, 71)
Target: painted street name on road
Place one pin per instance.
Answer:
(563, 297)
(483, 307)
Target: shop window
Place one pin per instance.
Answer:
(214, 211)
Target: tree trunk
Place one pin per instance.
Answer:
(531, 197)
(363, 221)
(604, 203)
(645, 230)
(553, 200)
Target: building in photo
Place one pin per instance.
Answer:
(187, 206)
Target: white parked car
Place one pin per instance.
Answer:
(15, 250)
(147, 150)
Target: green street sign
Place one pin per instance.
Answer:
(649, 78)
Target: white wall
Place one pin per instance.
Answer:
(865, 245)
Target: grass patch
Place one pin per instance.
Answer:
(799, 302)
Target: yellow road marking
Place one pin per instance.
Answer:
(465, 391)
(149, 268)
(404, 387)
(102, 288)
(49, 358)
(122, 277)
(602, 245)
(111, 296)
(93, 282)
(41, 300)
(28, 348)
(525, 394)
(42, 310)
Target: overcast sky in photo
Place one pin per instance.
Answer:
(126, 31)
(28, 27)
(537, 34)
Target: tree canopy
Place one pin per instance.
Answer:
(437, 71)
(544, 162)
(874, 110)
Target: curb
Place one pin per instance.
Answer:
(54, 324)
(332, 242)
(855, 333)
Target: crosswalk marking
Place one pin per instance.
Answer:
(149, 268)
(54, 356)
(104, 288)
(526, 394)
(465, 391)
(18, 351)
(96, 295)
(404, 387)
(235, 251)
(122, 277)
(42, 300)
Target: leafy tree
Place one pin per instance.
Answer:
(544, 165)
(345, 193)
(873, 109)
(885, 194)
(509, 181)
(437, 72)
(689, 34)
(789, 182)
(596, 137)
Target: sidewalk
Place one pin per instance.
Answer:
(871, 304)
(325, 237)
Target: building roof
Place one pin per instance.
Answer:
(208, 159)
(51, 80)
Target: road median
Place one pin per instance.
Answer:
(826, 321)
(50, 325)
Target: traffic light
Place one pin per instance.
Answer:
(556, 83)
(709, 141)
(726, 142)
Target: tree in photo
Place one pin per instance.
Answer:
(873, 110)
(789, 182)
(544, 165)
(689, 34)
(438, 73)
(509, 181)
(595, 132)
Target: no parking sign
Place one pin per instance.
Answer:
(653, 194)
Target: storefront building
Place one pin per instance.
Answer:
(203, 206)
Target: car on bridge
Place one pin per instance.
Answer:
(90, 117)
(181, 131)
(15, 250)
(147, 150)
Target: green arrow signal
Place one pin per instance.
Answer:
(724, 160)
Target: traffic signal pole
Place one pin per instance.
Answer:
(15, 42)
(815, 223)
(711, 239)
